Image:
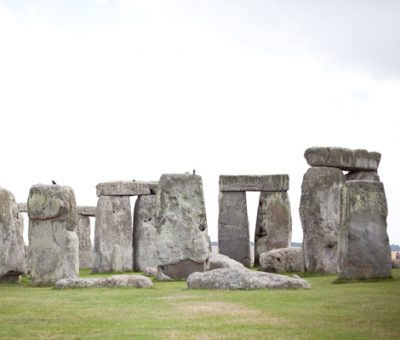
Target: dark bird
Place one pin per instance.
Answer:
(194, 172)
(53, 181)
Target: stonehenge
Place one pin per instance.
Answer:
(274, 222)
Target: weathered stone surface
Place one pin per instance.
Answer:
(254, 183)
(115, 281)
(113, 235)
(320, 217)
(283, 260)
(53, 242)
(126, 188)
(144, 232)
(181, 222)
(233, 227)
(22, 207)
(362, 176)
(87, 211)
(345, 159)
(274, 223)
(364, 250)
(396, 264)
(85, 243)
(232, 278)
(12, 250)
(150, 271)
(223, 261)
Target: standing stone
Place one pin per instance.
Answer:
(113, 235)
(12, 250)
(320, 217)
(233, 227)
(181, 222)
(274, 223)
(53, 242)
(364, 250)
(85, 243)
(144, 233)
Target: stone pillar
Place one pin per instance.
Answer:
(320, 217)
(181, 223)
(85, 243)
(113, 235)
(233, 226)
(12, 250)
(53, 243)
(364, 249)
(144, 233)
(274, 223)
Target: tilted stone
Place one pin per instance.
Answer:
(320, 217)
(85, 243)
(113, 249)
(144, 233)
(53, 242)
(254, 183)
(181, 223)
(364, 250)
(12, 250)
(283, 260)
(115, 281)
(233, 278)
(222, 261)
(126, 188)
(87, 211)
(22, 207)
(345, 159)
(274, 223)
(233, 227)
(362, 176)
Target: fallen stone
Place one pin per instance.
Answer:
(254, 183)
(87, 211)
(150, 271)
(320, 217)
(362, 176)
(345, 159)
(53, 242)
(283, 260)
(113, 250)
(364, 250)
(126, 188)
(85, 243)
(233, 227)
(232, 278)
(12, 250)
(181, 223)
(22, 207)
(115, 281)
(274, 223)
(222, 261)
(144, 233)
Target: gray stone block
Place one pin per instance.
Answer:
(85, 243)
(22, 207)
(364, 250)
(362, 176)
(87, 211)
(283, 260)
(126, 188)
(345, 159)
(233, 227)
(254, 183)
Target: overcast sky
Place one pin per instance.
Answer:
(93, 91)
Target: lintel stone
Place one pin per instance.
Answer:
(23, 207)
(87, 211)
(254, 183)
(126, 188)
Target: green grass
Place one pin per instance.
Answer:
(169, 310)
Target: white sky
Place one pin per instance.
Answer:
(92, 91)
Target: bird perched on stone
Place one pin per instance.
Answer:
(53, 181)
(194, 172)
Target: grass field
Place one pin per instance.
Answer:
(369, 310)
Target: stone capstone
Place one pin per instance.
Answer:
(254, 183)
(283, 260)
(126, 188)
(233, 227)
(115, 281)
(364, 250)
(87, 211)
(320, 217)
(362, 176)
(53, 242)
(233, 278)
(222, 261)
(181, 223)
(12, 250)
(144, 233)
(345, 159)
(274, 223)
(85, 243)
(113, 249)
(22, 207)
